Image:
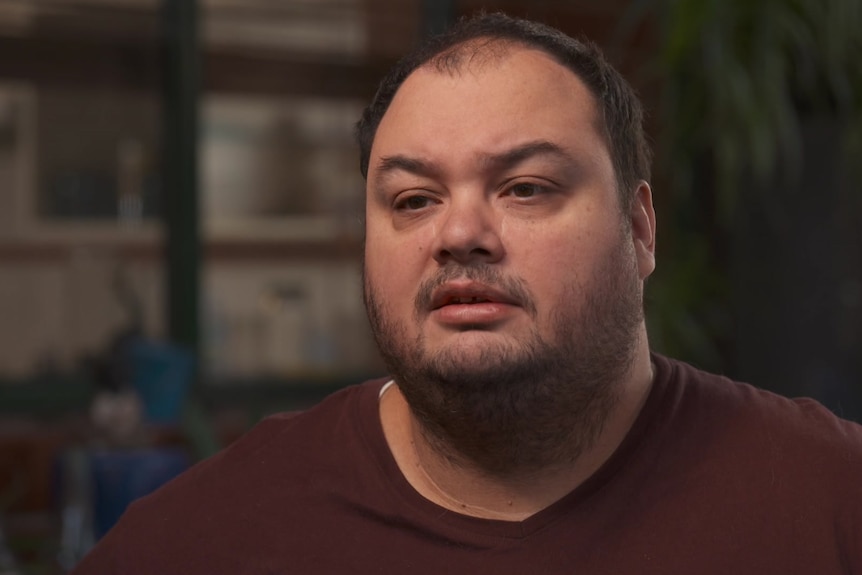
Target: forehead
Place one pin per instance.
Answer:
(488, 102)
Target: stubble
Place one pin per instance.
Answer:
(519, 408)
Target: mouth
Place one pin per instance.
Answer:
(468, 294)
(464, 300)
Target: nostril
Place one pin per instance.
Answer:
(467, 234)
(475, 253)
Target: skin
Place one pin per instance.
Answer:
(502, 164)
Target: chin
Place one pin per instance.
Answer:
(480, 358)
(472, 347)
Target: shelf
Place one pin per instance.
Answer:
(93, 232)
(296, 238)
(133, 65)
(66, 394)
(45, 396)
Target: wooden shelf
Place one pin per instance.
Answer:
(52, 396)
(299, 238)
(135, 65)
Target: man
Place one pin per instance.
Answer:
(527, 428)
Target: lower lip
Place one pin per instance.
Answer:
(465, 314)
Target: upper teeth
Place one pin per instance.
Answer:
(471, 299)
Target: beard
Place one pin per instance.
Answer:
(517, 408)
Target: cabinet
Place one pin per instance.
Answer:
(281, 197)
(281, 219)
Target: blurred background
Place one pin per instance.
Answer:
(181, 219)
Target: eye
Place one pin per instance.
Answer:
(526, 190)
(412, 203)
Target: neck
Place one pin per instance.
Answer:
(439, 473)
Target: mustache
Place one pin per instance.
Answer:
(515, 288)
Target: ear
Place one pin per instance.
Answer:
(643, 229)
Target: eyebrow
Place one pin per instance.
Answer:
(490, 162)
(401, 163)
(521, 153)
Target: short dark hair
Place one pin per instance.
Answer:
(621, 110)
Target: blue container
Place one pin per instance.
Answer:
(162, 375)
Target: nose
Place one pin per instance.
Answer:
(469, 233)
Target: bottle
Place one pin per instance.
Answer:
(77, 534)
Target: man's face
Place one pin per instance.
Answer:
(494, 228)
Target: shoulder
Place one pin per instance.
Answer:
(720, 396)
(285, 442)
(757, 427)
(283, 466)
(323, 421)
(783, 471)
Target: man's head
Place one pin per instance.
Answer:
(503, 274)
(621, 114)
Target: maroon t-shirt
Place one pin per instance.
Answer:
(715, 477)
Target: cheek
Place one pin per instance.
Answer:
(393, 269)
(394, 253)
(565, 266)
